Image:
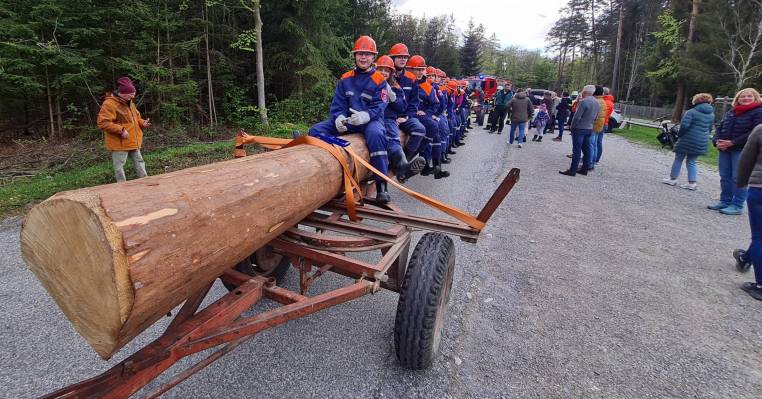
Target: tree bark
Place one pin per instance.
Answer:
(677, 112)
(118, 257)
(210, 91)
(618, 51)
(260, 67)
(52, 133)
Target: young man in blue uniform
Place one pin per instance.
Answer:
(427, 111)
(409, 122)
(358, 107)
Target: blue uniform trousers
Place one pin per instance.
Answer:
(434, 151)
(417, 138)
(393, 144)
(444, 135)
(375, 140)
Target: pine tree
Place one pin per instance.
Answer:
(471, 52)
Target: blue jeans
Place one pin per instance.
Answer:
(522, 131)
(593, 147)
(561, 121)
(754, 254)
(599, 143)
(690, 164)
(728, 165)
(580, 145)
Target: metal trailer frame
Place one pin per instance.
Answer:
(313, 253)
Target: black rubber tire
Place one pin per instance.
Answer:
(250, 266)
(423, 302)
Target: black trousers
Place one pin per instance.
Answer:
(501, 112)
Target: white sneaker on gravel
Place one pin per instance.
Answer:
(689, 186)
(669, 181)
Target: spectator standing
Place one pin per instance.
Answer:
(693, 139)
(122, 128)
(501, 108)
(750, 178)
(562, 114)
(609, 100)
(582, 128)
(730, 138)
(598, 127)
(521, 110)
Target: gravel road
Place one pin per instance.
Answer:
(606, 286)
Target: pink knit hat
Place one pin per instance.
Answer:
(125, 85)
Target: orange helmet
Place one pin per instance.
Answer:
(430, 70)
(441, 73)
(452, 85)
(398, 50)
(416, 61)
(365, 44)
(385, 61)
(463, 83)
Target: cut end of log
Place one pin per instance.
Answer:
(76, 252)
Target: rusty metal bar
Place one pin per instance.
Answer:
(390, 257)
(338, 261)
(499, 195)
(189, 308)
(278, 316)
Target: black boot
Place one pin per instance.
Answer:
(450, 151)
(398, 161)
(427, 170)
(414, 167)
(439, 173)
(382, 194)
(534, 138)
(539, 139)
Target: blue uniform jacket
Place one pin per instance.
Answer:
(451, 104)
(409, 85)
(361, 91)
(428, 96)
(397, 108)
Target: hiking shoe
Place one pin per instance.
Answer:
(382, 194)
(753, 289)
(582, 172)
(519, 145)
(570, 155)
(427, 170)
(717, 206)
(742, 265)
(689, 186)
(539, 139)
(731, 210)
(567, 172)
(442, 173)
(669, 181)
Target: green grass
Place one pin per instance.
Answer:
(647, 136)
(15, 196)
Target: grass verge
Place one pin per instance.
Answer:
(647, 136)
(15, 196)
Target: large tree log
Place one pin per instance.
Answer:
(118, 257)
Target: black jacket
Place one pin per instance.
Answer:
(737, 127)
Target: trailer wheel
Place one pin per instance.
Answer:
(423, 301)
(263, 262)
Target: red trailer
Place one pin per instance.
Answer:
(326, 241)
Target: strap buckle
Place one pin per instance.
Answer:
(332, 140)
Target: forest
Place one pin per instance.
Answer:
(195, 61)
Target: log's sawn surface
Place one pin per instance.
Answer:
(118, 257)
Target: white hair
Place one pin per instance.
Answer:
(606, 90)
(588, 89)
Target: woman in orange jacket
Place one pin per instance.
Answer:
(122, 128)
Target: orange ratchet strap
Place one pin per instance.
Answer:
(350, 182)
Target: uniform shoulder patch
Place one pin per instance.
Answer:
(377, 78)
(426, 86)
(348, 74)
(410, 76)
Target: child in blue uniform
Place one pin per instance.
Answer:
(358, 107)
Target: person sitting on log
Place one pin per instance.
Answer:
(393, 116)
(417, 140)
(427, 115)
(358, 107)
(435, 77)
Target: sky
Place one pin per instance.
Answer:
(522, 23)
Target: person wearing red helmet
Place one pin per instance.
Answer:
(358, 107)
(408, 122)
(396, 108)
(425, 114)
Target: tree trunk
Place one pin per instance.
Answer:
(52, 132)
(677, 112)
(210, 91)
(59, 117)
(118, 257)
(595, 41)
(618, 51)
(260, 67)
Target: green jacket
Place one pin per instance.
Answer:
(502, 97)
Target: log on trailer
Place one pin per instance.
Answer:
(118, 257)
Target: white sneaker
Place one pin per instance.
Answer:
(689, 186)
(669, 181)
